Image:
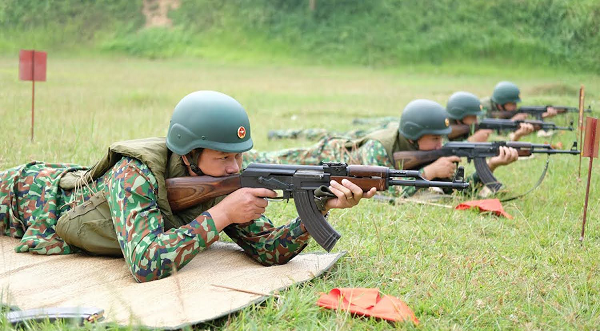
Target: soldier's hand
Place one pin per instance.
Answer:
(241, 206)
(519, 117)
(524, 129)
(481, 135)
(550, 112)
(506, 156)
(348, 194)
(444, 167)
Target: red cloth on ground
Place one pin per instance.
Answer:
(492, 205)
(367, 302)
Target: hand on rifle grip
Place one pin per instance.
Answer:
(444, 167)
(550, 112)
(524, 129)
(519, 117)
(241, 206)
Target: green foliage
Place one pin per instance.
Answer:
(64, 24)
(396, 32)
(378, 33)
(151, 43)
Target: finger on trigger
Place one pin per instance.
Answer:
(264, 193)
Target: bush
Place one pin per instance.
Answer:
(561, 33)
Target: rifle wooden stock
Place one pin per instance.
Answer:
(367, 171)
(411, 160)
(459, 131)
(185, 192)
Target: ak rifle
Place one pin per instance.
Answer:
(462, 131)
(299, 182)
(478, 152)
(536, 111)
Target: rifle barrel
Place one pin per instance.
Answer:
(429, 183)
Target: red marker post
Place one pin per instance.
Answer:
(590, 149)
(32, 66)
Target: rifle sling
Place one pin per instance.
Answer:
(539, 182)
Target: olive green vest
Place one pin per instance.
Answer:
(93, 218)
(391, 139)
(488, 105)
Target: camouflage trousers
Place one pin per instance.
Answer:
(316, 134)
(31, 202)
(326, 150)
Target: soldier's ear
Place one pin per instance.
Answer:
(185, 160)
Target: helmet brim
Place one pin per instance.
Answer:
(442, 132)
(240, 147)
(454, 117)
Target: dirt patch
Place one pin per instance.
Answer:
(156, 12)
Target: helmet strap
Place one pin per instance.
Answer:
(194, 155)
(414, 143)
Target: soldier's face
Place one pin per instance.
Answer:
(218, 164)
(430, 142)
(511, 106)
(469, 119)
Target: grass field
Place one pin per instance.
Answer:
(455, 269)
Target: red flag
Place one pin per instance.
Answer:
(492, 205)
(592, 136)
(32, 65)
(367, 302)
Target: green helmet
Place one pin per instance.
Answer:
(462, 104)
(209, 119)
(421, 117)
(506, 92)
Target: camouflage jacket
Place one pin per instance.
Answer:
(32, 200)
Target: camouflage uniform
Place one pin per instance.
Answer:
(328, 149)
(314, 134)
(490, 108)
(317, 134)
(31, 202)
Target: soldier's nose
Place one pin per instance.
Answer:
(233, 168)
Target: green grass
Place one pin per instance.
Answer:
(456, 269)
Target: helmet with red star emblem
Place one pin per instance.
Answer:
(209, 119)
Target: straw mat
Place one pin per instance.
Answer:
(186, 298)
